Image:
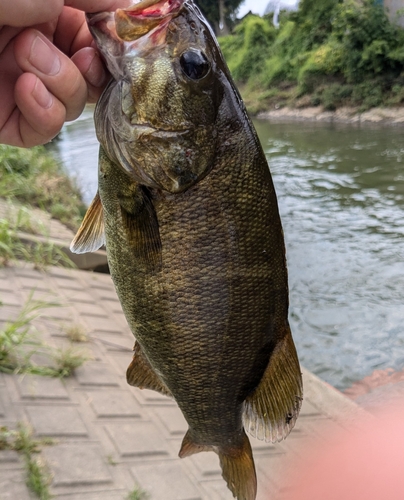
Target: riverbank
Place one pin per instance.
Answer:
(346, 115)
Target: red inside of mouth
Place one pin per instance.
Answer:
(159, 9)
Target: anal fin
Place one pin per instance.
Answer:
(270, 412)
(141, 374)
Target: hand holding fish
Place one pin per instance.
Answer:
(49, 66)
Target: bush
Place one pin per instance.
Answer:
(332, 43)
(248, 48)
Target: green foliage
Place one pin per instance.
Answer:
(210, 9)
(240, 49)
(342, 52)
(37, 474)
(33, 176)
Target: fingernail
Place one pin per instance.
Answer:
(96, 74)
(44, 58)
(41, 95)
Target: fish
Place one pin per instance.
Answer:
(188, 212)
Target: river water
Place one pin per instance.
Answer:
(341, 198)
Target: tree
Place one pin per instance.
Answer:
(220, 13)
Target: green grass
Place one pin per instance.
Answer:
(20, 341)
(21, 440)
(41, 254)
(34, 177)
(137, 494)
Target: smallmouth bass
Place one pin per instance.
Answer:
(188, 212)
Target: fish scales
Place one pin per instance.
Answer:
(189, 214)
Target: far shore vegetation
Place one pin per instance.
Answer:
(331, 53)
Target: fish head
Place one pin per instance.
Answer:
(163, 103)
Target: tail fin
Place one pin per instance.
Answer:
(270, 412)
(237, 463)
(238, 470)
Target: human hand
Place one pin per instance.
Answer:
(49, 67)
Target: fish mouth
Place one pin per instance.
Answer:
(138, 28)
(147, 129)
(130, 24)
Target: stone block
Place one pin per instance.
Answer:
(308, 409)
(114, 404)
(12, 486)
(148, 397)
(138, 439)
(90, 310)
(69, 284)
(78, 296)
(77, 464)
(104, 325)
(8, 456)
(56, 421)
(207, 463)
(37, 387)
(2, 406)
(173, 420)
(96, 373)
(165, 480)
(9, 299)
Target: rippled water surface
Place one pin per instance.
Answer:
(341, 197)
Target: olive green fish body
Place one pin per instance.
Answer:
(194, 238)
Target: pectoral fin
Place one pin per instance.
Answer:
(270, 412)
(143, 233)
(91, 235)
(141, 374)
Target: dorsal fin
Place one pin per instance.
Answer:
(91, 235)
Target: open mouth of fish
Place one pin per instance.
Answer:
(129, 25)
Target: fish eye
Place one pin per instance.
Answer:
(194, 64)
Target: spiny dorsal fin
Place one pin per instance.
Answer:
(270, 412)
(143, 234)
(238, 470)
(141, 374)
(91, 235)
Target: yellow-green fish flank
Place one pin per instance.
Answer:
(188, 212)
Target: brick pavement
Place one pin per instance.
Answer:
(110, 436)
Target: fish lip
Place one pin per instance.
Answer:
(160, 132)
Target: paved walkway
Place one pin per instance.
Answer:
(109, 436)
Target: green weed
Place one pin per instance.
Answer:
(20, 341)
(21, 440)
(137, 494)
(41, 254)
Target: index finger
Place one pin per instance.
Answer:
(97, 5)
